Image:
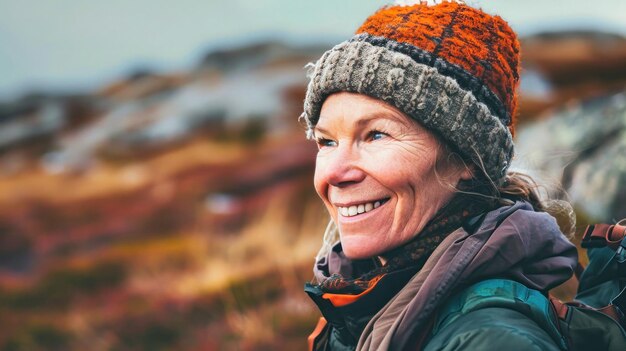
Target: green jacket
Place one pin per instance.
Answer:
(496, 314)
(400, 311)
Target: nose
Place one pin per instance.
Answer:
(342, 166)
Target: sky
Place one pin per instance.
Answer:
(77, 45)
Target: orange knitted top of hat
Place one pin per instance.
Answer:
(456, 33)
(450, 67)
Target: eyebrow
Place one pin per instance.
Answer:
(320, 129)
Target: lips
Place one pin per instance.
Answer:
(356, 209)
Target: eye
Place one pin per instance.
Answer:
(323, 142)
(376, 135)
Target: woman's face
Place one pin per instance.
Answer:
(377, 173)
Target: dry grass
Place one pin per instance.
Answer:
(271, 243)
(106, 179)
(249, 285)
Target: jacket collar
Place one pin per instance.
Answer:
(512, 241)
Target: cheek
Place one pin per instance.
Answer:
(320, 182)
(398, 168)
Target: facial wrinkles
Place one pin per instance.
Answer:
(418, 192)
(428, 190)
(412, 143)
(398, 165)
(402, 134)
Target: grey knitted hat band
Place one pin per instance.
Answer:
(420, 91)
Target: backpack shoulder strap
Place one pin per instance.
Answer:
(502, 293)
(572, 326)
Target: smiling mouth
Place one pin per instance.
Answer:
(355, 210)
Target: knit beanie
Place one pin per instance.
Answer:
(451, 67)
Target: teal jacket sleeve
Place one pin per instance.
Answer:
(498, 329)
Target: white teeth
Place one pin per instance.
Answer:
(358, 209)
(352, 210)
(344, 211)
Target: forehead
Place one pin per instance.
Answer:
(359, 109)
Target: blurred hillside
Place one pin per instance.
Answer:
(175, 210)
(562, 67)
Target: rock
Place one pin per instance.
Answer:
(580, 152)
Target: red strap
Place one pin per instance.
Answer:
(561, 309)
(599, 235)
(617, 234)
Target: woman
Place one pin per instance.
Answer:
(413, 118)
